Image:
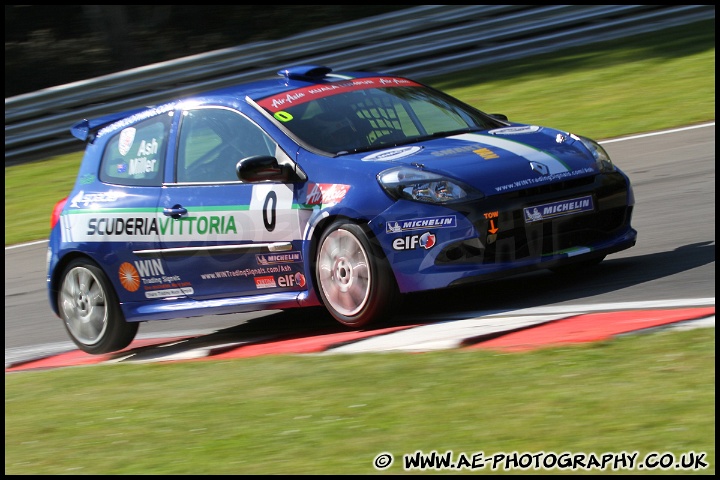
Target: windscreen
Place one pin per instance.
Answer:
(371, 113)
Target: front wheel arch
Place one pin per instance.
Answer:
(352, 276)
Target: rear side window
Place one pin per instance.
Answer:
(135, 155)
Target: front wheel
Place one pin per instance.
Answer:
(354, 280)
(90, 310)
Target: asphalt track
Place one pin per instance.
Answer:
(533, 311)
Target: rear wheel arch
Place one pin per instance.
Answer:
(56, 277)
(89, 307)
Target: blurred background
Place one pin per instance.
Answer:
(49, 45)
(65, 63)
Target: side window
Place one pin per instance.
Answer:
(213, 140)
(135, 156)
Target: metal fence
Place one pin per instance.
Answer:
(418, 42)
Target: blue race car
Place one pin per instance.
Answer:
(344, 190)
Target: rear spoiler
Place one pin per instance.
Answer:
(85, 129)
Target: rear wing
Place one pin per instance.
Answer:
(85, 129)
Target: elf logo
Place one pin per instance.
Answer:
(425, 240)
(291, 280)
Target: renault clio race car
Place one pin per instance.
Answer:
(345, 190)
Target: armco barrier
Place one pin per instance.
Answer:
(419, 42)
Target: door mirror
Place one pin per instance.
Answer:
(262, 168)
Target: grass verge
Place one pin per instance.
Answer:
(333, 414)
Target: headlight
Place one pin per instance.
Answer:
(422, 186)
(602, 159)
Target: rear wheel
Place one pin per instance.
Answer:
(354, 280)
(90, 310)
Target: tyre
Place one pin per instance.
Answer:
(354, 280)
(90, 310)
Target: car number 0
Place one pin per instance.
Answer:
(270, 211)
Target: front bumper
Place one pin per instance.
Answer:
(493, 237)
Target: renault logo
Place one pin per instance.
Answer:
(539, 168)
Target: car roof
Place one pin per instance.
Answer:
(289, 79)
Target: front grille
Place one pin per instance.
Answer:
(518, 240)
(555, 235)
(550, 188)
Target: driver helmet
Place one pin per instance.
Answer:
(335, 132)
